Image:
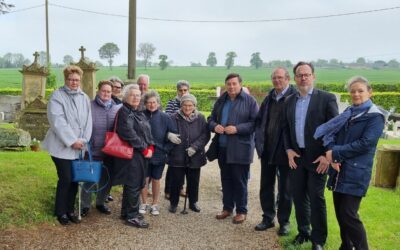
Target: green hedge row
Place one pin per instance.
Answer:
(205, 101)
(386, 100)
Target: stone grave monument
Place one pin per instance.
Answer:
(34, 118)
(33, 114)
(33, 82)
(88, 82)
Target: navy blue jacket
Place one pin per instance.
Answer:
(354, 148)
(240, 146)
(161, 124)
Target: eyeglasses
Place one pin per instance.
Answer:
(116, 87)
(183, 90)
(74, 80)
(303, 75)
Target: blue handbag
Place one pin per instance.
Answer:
(86, 170)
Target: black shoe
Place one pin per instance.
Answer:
(124, 216)
(194, 207)
(172, 209)
(284, 230)
(63, 219)
(300, 239)
(264, 226)
(73, 218)
(136, 222)
(316, 246)
(103, 209)
(84, 211)
(110, 198)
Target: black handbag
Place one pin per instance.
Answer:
(212, 152)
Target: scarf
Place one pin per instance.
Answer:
(329, 129)
(191, 117)
(107, 105)
(70, 91)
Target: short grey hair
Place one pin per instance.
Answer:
(151, 94)
(287, 75)
(127, 90)
(182, 83)
(116, 79)
(359, 79)
(144, 76)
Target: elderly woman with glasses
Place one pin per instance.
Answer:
(133, 127)
(352, 138)
(188, 156)
(70, 120)
(117, 86)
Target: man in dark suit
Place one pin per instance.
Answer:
(304, 112)
(270, 149)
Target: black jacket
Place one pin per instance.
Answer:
(261, 124)
(193, 134)
(322, 108)
(133, 127)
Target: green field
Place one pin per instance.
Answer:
(12, 78)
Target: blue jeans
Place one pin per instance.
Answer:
(234, 178)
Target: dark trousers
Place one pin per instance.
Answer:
(104, 185)
(269, 173)
(168, 183)
(192, 183)
(130, 201)
(352, 230)
(66, 189)
(234, 178)
(308, 196)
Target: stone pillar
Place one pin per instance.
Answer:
(33, 82)
(88, 82)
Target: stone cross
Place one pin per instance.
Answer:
(36, 55)
(82, 50)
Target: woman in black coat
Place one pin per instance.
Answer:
(188, 156)
(133, 127)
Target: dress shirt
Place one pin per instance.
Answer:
(300, 116)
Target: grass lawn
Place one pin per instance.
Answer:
(12, 78)
(28, 182)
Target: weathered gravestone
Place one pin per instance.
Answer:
(34, 118)
(11, 138)
(88, 82)
(34, 81)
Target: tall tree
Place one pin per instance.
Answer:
(255, 60)
(230, 59)
(361, 60)
(43, 58)
(18, 60)
(163, 62)
(146, 51)
(108, 51)
(5, 7)
(67, 60)
(211, 60)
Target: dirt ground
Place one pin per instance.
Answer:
(166, 231)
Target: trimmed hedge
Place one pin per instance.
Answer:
(205, 101)
(386, 100)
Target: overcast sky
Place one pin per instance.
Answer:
(373, 35)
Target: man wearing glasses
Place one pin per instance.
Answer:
(304, 112)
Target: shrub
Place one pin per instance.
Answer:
(385, 100)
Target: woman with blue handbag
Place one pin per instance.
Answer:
(104, 110)
(134, 128)
(70, 119)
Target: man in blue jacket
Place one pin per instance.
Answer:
(271, 151)
(232, 119)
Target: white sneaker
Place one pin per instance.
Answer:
(143, 208)
(154, 210)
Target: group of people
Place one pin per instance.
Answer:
(299, 136)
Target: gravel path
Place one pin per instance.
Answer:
(166, 231)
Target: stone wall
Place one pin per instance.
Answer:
(10, 105)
